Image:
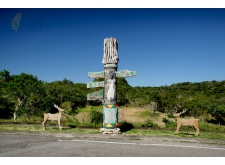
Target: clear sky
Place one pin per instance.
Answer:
(163, 45)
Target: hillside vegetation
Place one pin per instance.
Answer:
(24, 96)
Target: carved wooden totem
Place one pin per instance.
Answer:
(110, 74)
(110, 61)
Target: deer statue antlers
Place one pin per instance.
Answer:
(59, 109)
(178, 114)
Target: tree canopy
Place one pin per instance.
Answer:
(27, 95)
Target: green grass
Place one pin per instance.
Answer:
(90, 108)
(145, 114)
(136, 132)
(166, 133)
(207, 130)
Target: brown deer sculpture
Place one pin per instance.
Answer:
(186, 122)
(56, 117)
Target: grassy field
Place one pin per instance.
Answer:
(137, 132)
(134, 118)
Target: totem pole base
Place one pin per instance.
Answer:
(110, 131)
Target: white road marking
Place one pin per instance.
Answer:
(161, 145)
(90, 141)
(166, 145)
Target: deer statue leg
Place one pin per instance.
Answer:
(60, 127)
(43, 123)
(197, 129)
(178, 127)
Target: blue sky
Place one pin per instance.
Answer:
(163, 45)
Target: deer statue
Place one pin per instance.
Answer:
(56, 117)
(186, 122)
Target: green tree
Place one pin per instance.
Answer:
(60, 92)
(24, 89)
(123, 89)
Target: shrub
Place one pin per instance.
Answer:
(169, 123)
(149, 124)
(170, 115)
(96, 117)
(208, 127)
(72, 111)
(70, 121)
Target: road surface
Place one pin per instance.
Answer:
(50, 144)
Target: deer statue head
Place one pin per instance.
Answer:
(178, 114)
(59, 109)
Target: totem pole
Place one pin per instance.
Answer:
(110, 74)
(110, 107)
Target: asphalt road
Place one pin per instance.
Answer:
(49, 144)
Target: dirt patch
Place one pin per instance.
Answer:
(133, 115)
(82, 117)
